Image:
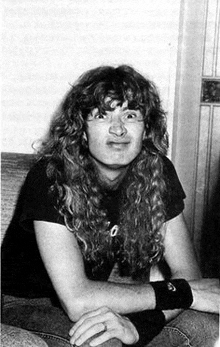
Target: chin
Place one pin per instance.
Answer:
(116, 166)
(112, 163)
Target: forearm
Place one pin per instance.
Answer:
(121, 298)
(64, 262)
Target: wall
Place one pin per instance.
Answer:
(48, 43)
(187, 99)
(196, 135)
(196, 125)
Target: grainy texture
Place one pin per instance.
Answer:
(14, 168)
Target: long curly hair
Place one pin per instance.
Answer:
(142, 210)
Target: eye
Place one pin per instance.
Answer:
(96, 116)
(99, 116)
(131, 115)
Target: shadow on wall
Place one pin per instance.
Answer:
(210, 243)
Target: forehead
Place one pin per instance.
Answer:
(116, 107)
(113, 104)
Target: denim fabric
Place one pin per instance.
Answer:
(16, 337)
(191, 329)
(42, 318)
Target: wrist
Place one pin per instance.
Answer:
(172, 294)
(148, 324)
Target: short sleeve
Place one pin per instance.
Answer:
(175, 195)
(38, 202)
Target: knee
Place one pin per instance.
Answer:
(13, 336)
(201, 329)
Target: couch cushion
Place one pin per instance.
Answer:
(14, 168)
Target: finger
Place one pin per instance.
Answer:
(87, 324)
(85, 317)
(87, 334)
(106, 336)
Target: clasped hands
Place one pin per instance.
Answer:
(104, 324)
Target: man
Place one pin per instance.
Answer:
(103, 193)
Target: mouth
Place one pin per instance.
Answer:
(117, 144)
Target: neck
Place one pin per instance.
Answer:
(109, 182)
(110, 177)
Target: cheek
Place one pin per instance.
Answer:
(90, 137)
(139, 136)
(95, 144)
(137, 149)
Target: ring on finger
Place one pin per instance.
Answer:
(104, 326)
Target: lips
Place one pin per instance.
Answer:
(113, 142)
(117, 145)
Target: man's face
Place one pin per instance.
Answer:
(115, 137)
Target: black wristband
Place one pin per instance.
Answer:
(148, 324)
(172, 294)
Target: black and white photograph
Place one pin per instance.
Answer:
(110, 173)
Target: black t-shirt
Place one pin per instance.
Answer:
(23, 272)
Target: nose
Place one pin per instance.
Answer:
(117, 128)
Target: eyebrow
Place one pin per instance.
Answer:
(125, 108)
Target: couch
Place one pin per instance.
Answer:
(14, 167)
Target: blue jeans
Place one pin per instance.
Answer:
(42, 319)
(191, 329)
(51, 324)
(13, 336)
